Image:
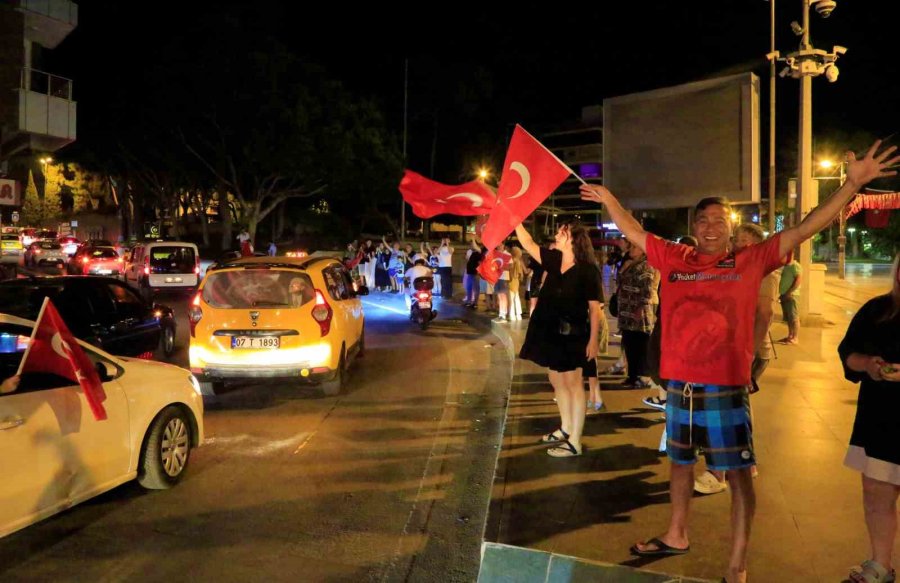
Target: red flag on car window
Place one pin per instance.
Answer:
(493, 265)
(429, 198)
(54, 350)
(530, 174)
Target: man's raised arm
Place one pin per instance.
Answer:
(859, 173)
(629, 226)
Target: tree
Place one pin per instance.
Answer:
(37, 211)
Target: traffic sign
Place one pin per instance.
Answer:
(15, 217)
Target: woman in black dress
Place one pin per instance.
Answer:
(563, 330)
(870, 353)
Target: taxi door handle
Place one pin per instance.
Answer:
(11, 423)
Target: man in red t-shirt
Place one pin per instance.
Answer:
(707, 346)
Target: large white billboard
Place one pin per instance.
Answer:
(670, 147)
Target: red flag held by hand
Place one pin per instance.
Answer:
(530, 174)
(429, 198)
(493, 265)
(54, 350)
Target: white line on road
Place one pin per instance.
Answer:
(388, 308)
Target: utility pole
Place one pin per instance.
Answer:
(772, 119)
(405, 108)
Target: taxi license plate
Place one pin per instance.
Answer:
(239, 342)
(173, 280)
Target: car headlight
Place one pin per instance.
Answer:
(195, 384)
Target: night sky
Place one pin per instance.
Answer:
(479, 69)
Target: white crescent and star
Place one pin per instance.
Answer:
(524, 174)
(60, 346)
(476, 199)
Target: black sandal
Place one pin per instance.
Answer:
(564, 449)
(551, 437)
(662, 549)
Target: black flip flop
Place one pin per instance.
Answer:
(551, 437)
(662, 549)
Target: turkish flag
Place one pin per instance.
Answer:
(54, 350)
(493, 265)
(530, 174)
(429, 198)
(878, 218)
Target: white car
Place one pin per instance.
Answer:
(54, 454)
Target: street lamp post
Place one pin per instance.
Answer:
(842, 218)
(804, 64)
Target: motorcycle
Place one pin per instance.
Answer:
(420, 303)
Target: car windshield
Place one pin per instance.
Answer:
(258, 288)
(172, 259)
(103, 254)
(46, 234)
(49, 246)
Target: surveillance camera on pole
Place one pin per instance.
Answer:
(824, 7)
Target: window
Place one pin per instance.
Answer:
(348, 283)
(13, 342)
(258, 288)
(335, 283)
(127, 303)
(172, 259)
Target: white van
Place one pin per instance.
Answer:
(163, 266)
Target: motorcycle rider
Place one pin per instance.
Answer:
(419, 269)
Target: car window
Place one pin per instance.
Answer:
(348, 283)
(127, 303)
(258, 288)
(10, 237)
(97, 295)
(103, 253)
(172, 259)
(334, 282)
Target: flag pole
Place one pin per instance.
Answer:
(33, 334)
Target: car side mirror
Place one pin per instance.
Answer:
(362, 291)
(103, 372)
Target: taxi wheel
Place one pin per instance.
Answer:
(333, 387)
(166, 450)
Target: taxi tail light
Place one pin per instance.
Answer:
(322, 313)
(195, 314)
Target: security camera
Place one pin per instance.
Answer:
(825, 7)
(795, 26)
(775, 55)
(831, 73)
(839, 50)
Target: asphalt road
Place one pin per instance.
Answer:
(389, 481)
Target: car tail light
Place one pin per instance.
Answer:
(37, 251)
(423, 295)
(196, 265)
(322, 313)
(195, 314)
(120, 259)
(147, 265)
(145, 356)
(85, 260)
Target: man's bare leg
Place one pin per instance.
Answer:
(743, 507)
(681, 489)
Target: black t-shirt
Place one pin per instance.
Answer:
(537, 272)
(566, 295)
(473, 262)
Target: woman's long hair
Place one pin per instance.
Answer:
(581, 243)
(894, 311)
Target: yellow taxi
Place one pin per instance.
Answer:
(288, 318)
(11, 249)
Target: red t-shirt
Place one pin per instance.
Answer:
(708, 305)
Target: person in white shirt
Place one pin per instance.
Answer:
(419, 269)
(445, 267)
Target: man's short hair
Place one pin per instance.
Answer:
(711, 200)
(419, 261)
(751, 229)
(689, 240)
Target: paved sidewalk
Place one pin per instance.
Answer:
(809, 522)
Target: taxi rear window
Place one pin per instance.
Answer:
(258, 288)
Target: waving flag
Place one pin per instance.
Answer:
(530, 174)
(493, 265)
(429, 198)
(54, 350)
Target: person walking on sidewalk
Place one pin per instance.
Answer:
(789, 291)
(473, 260)
(564, 330)
(516, 276)
(707, 345)
(870, 353)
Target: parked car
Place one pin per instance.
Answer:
(45, 252)
(284, 317)
(54, 455)
(11, 249)
(163, 266)
(99, 310)
(96, 261)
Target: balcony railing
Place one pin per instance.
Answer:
(46, 84)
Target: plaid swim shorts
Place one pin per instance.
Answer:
(712, 420)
